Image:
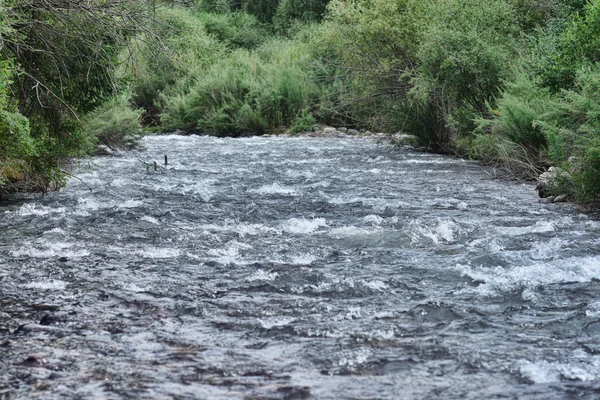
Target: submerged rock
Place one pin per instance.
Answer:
(35, 360)
(49, 319)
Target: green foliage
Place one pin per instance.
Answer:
(298, 10)
(572, 125)
(184, 50)
(238, 30)
(264, 10)
(517, 113)
(64, 57)
(115, 124)
(572, 45)
(213, 6)
(304, 122)
(426, 67)
(15, 140)
(247, 93)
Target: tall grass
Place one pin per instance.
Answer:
(247, 93)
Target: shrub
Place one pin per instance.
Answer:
(569, 46)
(237, 29)
(243, 95)
(115, 124)
(512, 135)
(154, 67)
(572, 125)
(302, 10)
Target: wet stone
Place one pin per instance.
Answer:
(35, 360)
(53, 319)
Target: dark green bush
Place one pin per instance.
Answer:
(115, 124)
(246, 94)
(155, 67)
(237, 29)
(572, 125)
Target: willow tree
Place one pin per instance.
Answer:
(63, 54)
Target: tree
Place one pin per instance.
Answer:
(64, 53)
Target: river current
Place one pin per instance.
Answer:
(296, 268)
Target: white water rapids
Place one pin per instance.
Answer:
(296, 268)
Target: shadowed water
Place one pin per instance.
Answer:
(274, 268)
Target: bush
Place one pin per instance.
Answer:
(572, 125)
(115, 124)
(155, 67)
(238, 30)
(248, 92)
(302, 10)
(243, 95)
(573, 44)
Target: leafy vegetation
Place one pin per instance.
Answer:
(513, 82)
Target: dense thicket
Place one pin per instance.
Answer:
(57, 59)
(514, 82)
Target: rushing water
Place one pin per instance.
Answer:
(271, 268)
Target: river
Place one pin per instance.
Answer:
(296, 268)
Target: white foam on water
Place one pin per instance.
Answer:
(376, 285)
(491, 245)
(85, 206)
(158, 252)
(593, 309)
(131, 203)
(548, 250)
(47, 249)
(229, 254)
(58, 231)
(377, 159)
(434, 171)
(273, 322)
(442, 231)
(351, 358)
(150, 219)
(204, 189)
(377, 203)
(132, 287)
(581, 368)
(38, 210)
(262, 275)
(53, 284)
(120, 182)
(538, 227)
(373, 219)
(433, 161)
(539, 372)
(303, 259)
(275, 188)
(293, 173)
(303, 226)
(242, 229)
(349, 231)
(499, 279)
